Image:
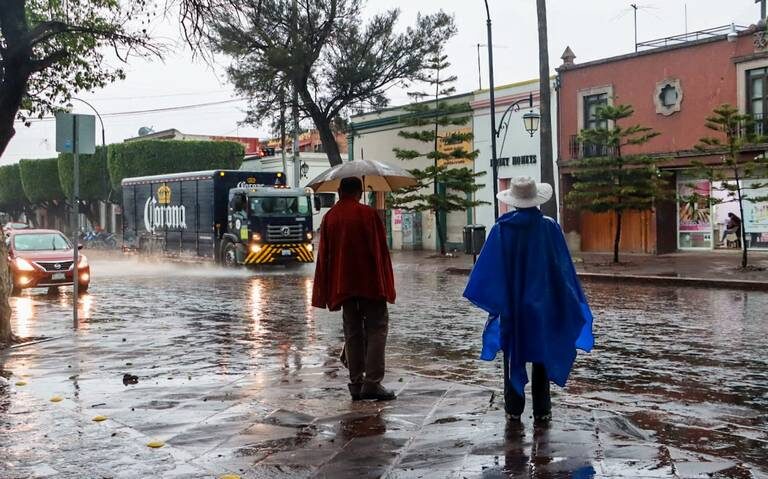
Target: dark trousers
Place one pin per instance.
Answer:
(542, 403)
(366, 323)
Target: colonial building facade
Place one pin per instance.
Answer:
(673, 84)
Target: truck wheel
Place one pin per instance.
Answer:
(229, 254)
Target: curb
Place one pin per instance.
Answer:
(747, 285)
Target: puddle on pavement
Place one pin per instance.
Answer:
(681, 364)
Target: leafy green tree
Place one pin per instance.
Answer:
(40, 181)
(52, 49)
(94, 181)
(441, 188)
(159, 157)
(49, 51)
(736, 177)
(12, 199)
(613, 181)
(322, 49)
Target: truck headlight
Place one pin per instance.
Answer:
(309, 246)
(256, 237)
(309, 235)
(255, 248)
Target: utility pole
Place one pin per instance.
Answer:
(296, 161)
(75, 224)
(479, 76)
(545, 106)
(634, 7)
(762, 8)
(282, 135)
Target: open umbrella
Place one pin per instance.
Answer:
(376, 176)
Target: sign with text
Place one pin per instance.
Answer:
(516, 160)
(442, 147)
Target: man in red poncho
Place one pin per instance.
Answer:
(354, 273)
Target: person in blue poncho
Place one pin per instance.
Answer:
(524, 278)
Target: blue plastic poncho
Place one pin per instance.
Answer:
(524, 278)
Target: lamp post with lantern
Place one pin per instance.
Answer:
(530, 120)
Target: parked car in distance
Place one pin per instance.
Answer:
(43, 259)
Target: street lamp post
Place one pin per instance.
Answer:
(494, 162)
(531, 120)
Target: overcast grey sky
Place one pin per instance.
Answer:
(593, 29)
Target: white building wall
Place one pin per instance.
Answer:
(378, 143)
(518, 141)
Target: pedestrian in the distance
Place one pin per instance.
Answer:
(354, 274)
(524, 278)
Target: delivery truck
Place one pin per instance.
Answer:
(231, 217)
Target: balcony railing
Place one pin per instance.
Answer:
(579, 149)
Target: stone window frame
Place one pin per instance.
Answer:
(581, 94)
(741, 80)
(661, 108)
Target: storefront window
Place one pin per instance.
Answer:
(755, 214)
(694, 214)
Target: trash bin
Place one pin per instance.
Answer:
(474, 238)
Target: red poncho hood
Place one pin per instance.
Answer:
(353, 257)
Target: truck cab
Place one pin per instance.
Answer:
(268, 225)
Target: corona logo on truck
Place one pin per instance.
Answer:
(159, 213)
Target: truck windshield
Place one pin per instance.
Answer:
(279, 205)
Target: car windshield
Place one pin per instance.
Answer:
(40, 242)
(279, 205)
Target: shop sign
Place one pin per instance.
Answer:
(442, 147)
(755, 214)
(397, 220)
(694, 213)
(516, 160)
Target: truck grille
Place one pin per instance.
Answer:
(51, 265)
(284, 233)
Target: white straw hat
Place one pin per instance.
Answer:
(524, 192)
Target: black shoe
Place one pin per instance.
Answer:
(354, 391)
(542, 418)
(377, 392)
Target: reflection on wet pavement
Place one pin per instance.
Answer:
(237, 373)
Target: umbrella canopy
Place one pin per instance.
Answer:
(376, 176)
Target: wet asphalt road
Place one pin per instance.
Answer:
(689, 365)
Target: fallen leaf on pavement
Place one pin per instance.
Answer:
(21, 383)
(99, 418)
(155, 444)
(57, 398)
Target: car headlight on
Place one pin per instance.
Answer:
(24, 265)
(82, 262)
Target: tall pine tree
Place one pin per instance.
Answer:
(610, 180)
(442, 187)
(737, 177)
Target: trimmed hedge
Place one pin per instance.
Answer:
(40, 180)
(160, 157)
(94, 176)
(12, 195)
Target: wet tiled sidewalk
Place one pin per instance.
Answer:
(299, 423)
